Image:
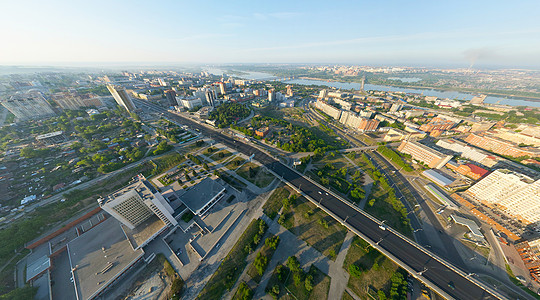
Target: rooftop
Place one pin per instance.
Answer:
(99, 256)
(139, 235)
(199, 195)
(438, 177)
(48, 135)
(473, 227)
(37, 267)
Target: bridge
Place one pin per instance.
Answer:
(446, 279)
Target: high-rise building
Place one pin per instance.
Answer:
(396, 107)
(368, 125)
(290, 92)
(28, 106)
(513, 192)
(136, 203)
(323, 94)
(425, 154)
(222, 88)
(271, 95)
(121, 97)
(210, 97)
(171, 97)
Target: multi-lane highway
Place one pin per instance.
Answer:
(432, 270)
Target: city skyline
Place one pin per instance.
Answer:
(422, 33)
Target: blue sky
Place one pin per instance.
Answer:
(505, 33)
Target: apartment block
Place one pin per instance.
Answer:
(425, 154)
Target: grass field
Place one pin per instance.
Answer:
(379, 206)
(218, 158)
(252, 270)
(315, 227)
(377, 269)
(321, 285)
(233, 265)
(235, 163)
(260, 178)
(273, 205)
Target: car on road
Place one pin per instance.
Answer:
(382, 227)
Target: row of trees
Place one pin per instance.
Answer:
(393, 156)
(229, 113)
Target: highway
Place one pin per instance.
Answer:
(423, 264)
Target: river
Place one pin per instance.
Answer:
(353, 85)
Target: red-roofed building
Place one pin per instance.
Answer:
(473, 171)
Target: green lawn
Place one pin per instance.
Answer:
(259, 176)
(267, 252)
(273, 205)
(220, 156)
(321, 285)
(233, 265)
(376, 269)
(315, 227)
(380, 206)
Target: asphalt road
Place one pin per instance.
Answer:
(446, 278)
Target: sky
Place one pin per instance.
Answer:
(421, 33)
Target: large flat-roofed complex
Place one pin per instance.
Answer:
(51, 138)
(99, 257)
(515, 193)
(28, 106)
(468, 152)
(136, 203)
(74, 100)
(200, 198)
(425, 154)
(497, 145)
(122, 98)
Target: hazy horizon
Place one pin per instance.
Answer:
(420, 33)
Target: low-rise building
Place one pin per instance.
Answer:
(51, 138)
(425, 154)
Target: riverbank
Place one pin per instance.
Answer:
(459, 90)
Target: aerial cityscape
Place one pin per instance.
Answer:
(180, 150)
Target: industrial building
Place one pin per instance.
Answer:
(51, 138)
(425, 154)
(468, 152)
(515, 193)
(28, 106)
(438, 177)
(499, 146)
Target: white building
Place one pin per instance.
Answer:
(136, 203)
(189, 102)
(515, 193)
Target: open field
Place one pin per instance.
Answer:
(273, 205)
(314, 226)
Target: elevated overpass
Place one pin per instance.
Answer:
(446, 279)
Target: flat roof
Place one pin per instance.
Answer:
(93, 268)
(438, 177)
(200, 194)
(473, 227)
(48, 135)
(37, 267)
(435, 191)
(144, 231)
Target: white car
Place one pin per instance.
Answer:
(382, 227)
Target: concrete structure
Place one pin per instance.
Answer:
(515, 193)
(478, 100)
(330, 110)
(136, 203)
(499, 146)
(468, 152)
(171, 97)
(262, 132)
(438, 177)
(517, 137)
(73, 100)
(99, 257)
(395, 107)
(425, 154)
(190, 102)
(473, 227)
(368, 125)
(473, 171)
(395, 134)
(28, 106)
(439, 194)
(121, 97)
(201, 197)
(437, 123)
(529, 251)
(481, 126)
(51, 138)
